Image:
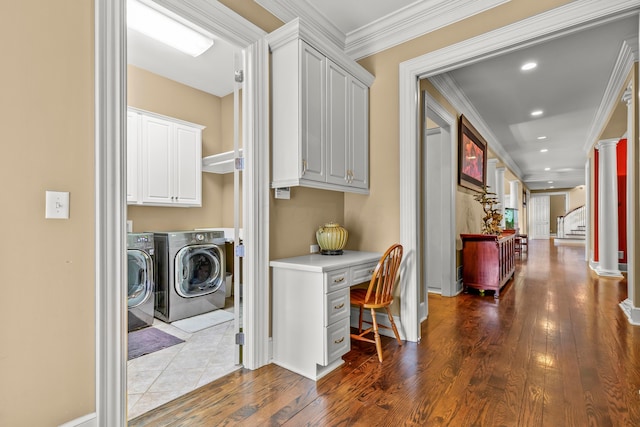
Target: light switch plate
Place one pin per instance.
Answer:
(57, 205)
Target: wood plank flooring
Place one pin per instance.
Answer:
(554, 350)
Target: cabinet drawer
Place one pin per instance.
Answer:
(338, 340)
(337, 306)
(336, 279)
(362, 273)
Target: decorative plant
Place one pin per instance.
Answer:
(492, 216)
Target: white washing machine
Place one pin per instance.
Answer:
(140, 280)
(190, 273)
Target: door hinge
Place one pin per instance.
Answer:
(240, 251)
(239, 76)
(240, 338)
(239, 163)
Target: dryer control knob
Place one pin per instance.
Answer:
(199, 237)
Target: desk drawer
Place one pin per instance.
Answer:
(336, 279)
(337, 306)
(362, 273)
(338, 340)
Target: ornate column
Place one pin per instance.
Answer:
(499, 190)
(607, 209)
(491, 175)
(631, 308)
(514, 189)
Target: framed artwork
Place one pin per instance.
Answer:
(524, 198)
(472, 156)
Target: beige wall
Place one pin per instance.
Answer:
(47, 286)
(47, 353)
(557, 207)
(577, 197)
(155, 93)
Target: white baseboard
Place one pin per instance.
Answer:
(633, 313)
(90, 420)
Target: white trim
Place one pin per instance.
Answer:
(407, 23)
(632, 313)
(626, 57)
(89, 420)
(110, 210)
(550, 24)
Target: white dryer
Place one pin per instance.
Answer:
(190, 273)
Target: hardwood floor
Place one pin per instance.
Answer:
(554, 350)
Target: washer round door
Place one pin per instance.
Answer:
(139, 277)
(199, 270)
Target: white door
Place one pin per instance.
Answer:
(539, 221)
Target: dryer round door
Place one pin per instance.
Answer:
(199, 270)
(139, 277)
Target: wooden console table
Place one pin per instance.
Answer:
(488, 262)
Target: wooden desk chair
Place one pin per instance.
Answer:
(379, 294)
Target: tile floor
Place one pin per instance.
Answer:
(159, 377)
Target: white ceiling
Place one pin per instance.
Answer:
(568, 84)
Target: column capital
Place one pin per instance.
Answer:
(494, 161)
(627, 97)
(501, 169)
(607, 143)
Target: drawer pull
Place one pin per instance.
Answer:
(339, 341)
(338, 280)
(338, 307)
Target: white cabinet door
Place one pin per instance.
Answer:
(338, 82)
(312, 93)
(133, 157)
(359, 134)
(157, 162)
(188, 165)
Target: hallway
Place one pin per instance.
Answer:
(554, 350)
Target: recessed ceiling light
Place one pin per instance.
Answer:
(529, 66)
(536, 113)
(547, 169)
(552, 187)
(542, 137)
(549, 182)
(544, 150)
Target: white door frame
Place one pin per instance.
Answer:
(554, 23)
(110, 189)
(446, 229)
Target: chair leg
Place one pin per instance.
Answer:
(360, 321)
(393, 325)
(376, 335)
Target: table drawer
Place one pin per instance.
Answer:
(338, 340)
(337, 306)
(336, 279)
(362, 273)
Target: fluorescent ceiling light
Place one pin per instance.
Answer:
(536, 113)
(529, 66)
(160, 26)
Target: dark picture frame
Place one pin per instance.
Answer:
(472, 157)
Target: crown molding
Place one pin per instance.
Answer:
(626, 58)
(447, 86)
(398, 27)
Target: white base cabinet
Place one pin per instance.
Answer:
(164, 160)
(311, 309)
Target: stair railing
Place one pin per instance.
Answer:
(573, 221)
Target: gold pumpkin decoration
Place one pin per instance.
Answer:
(331, 237)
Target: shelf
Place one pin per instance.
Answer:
(220, 163)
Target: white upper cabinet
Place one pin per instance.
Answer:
(170, 163)
(134, 146)
(320, 113)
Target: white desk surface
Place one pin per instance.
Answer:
(322, 263)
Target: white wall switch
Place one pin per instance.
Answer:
(57, 205)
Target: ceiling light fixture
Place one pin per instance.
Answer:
(544, 150)
(529, 66)
(542, 137)
(547, 169)
(536, 113)
(549, 182)
(161, 25)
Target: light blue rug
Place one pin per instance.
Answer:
(203, 321)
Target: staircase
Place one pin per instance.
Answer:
(572, 227)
